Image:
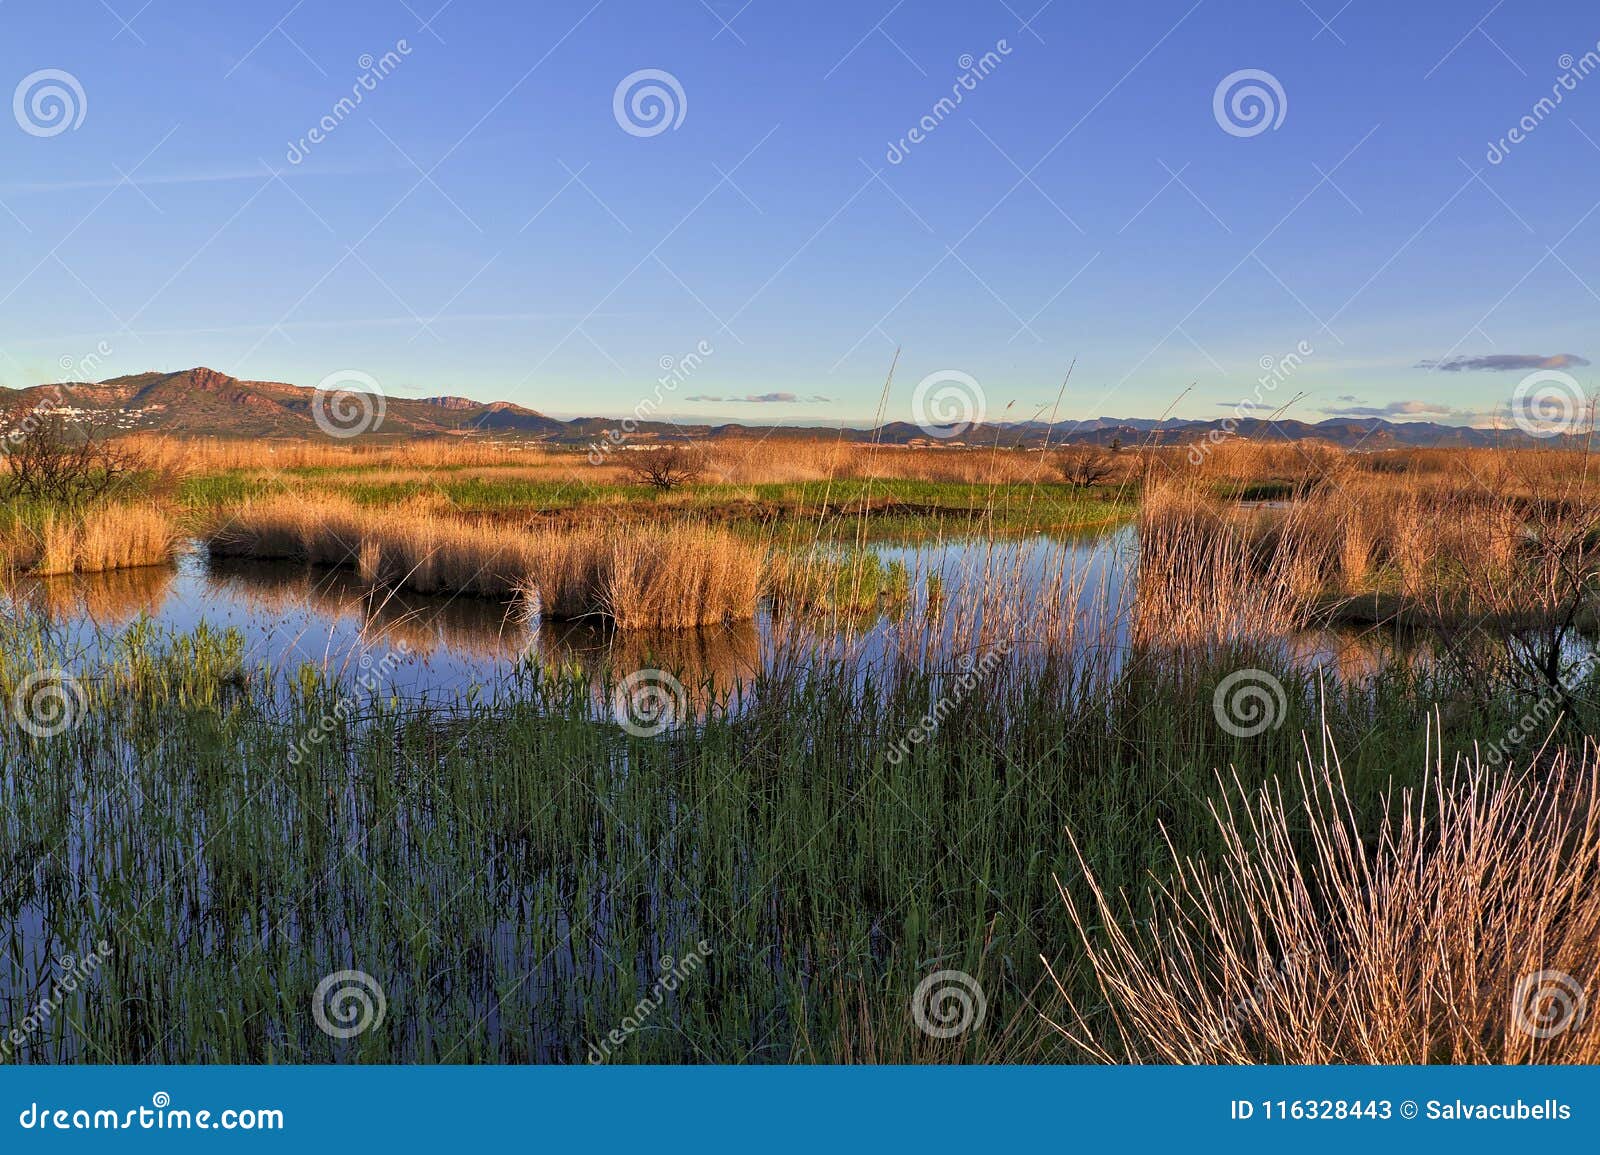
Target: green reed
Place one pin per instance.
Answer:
(515, 876)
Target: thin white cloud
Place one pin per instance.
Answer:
(1505, 363)
(763, 399)
(1393, 409)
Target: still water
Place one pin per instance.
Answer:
(1072, 590)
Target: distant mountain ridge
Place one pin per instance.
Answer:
(204, 402)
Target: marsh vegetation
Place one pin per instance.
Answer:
(1084, 823)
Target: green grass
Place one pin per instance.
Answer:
(897, 508)
(512, 875)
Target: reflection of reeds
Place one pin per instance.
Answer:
(712, 665)
(475, 627)
(107, 599)
(1463, 929)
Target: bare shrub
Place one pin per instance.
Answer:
(1084, 466)
(1463, 929)
(46, 460)
(667, 467)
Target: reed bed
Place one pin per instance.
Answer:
(1211, 568)
(114, 536)
(1210, 574)
(636, 576)
(738, 461)
(645, 577)
(512, 873)
(1462, 927)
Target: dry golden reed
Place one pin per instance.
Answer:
(101, 538)
(674, 576)
(1463, 926)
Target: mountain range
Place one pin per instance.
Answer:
(203, 402)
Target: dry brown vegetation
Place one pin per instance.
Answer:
(667, 467)
(1461, 928)
(1492, 535)
(736, 461)
(1304, 466)
(48, 461)
(104, 537)
(756, 460)
(633, 575)
(1208, 572)
(645, 576)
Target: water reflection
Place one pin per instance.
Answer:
(109, 600)
(722, 656)
(480, 629)
(1058, 594)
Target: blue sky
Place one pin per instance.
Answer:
(483, 224)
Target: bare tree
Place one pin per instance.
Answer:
(42, 458)
(666, 468)
(1085, 466)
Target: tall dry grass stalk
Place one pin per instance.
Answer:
(1210, 573)
(730, 460)
(679, 576)
(645, 577)
(636, 576)
(95, 540)
(1464, 928)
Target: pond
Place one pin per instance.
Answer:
(1073, 591)
(513, 882)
